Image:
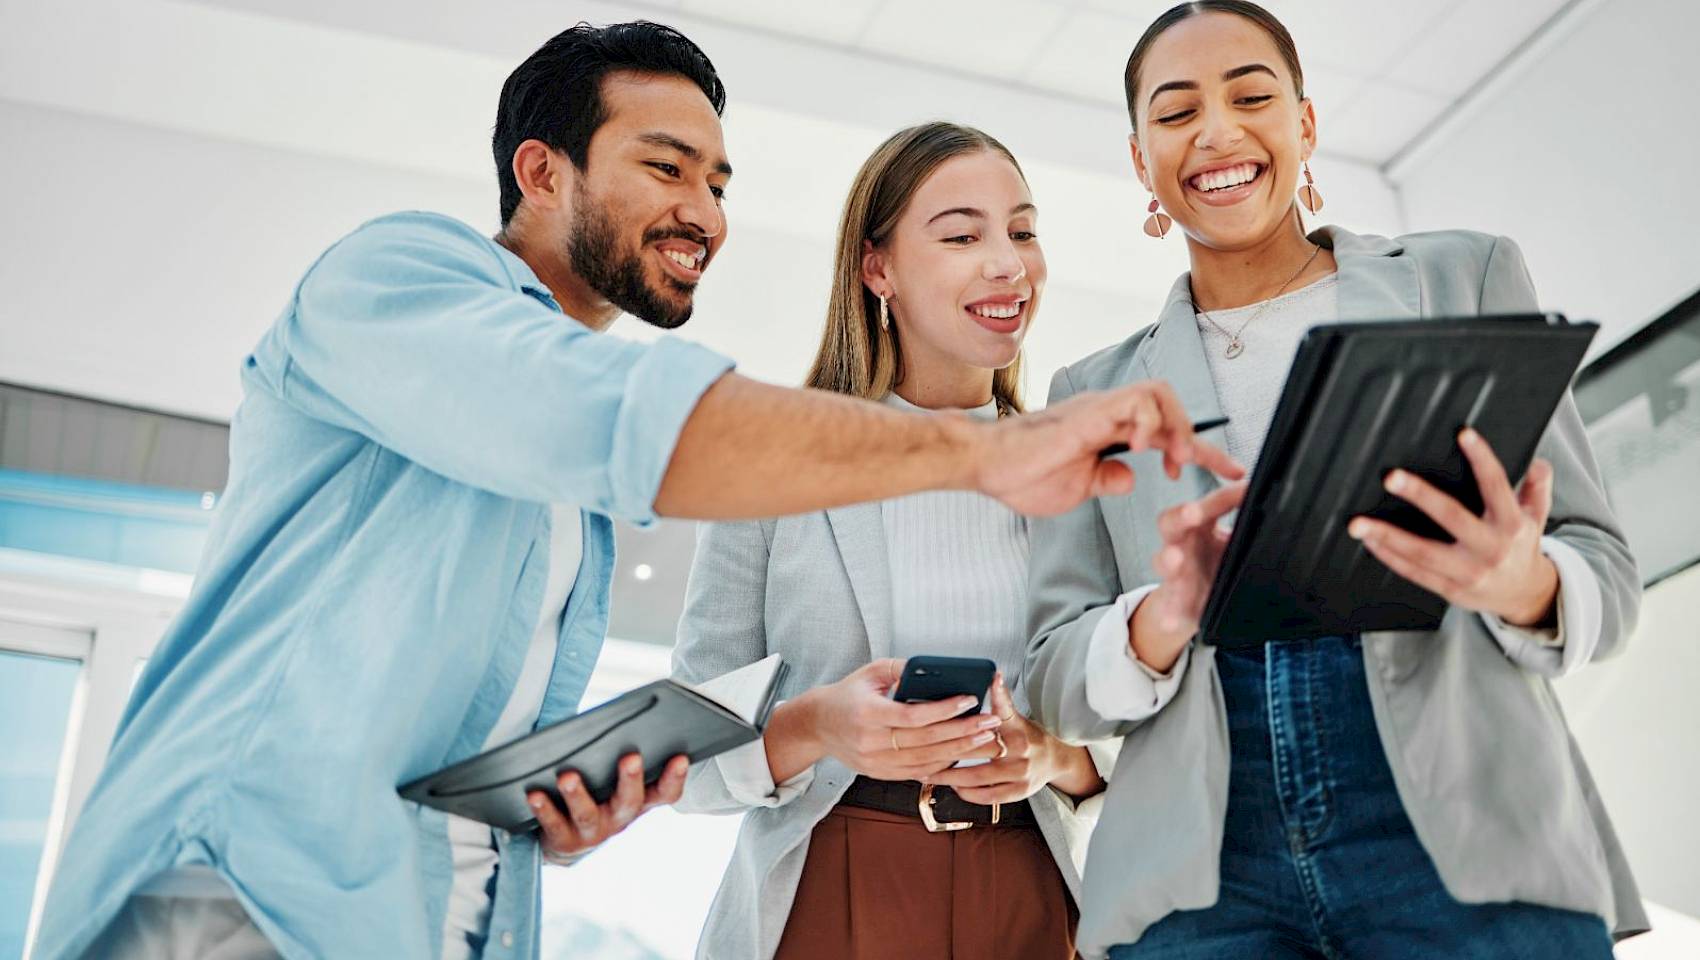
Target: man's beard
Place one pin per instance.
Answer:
(593, 251)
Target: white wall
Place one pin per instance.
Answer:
(1636, 718)
(162, 192)
(140, 265)
(1584, 153)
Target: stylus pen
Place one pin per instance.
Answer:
(1198, 427)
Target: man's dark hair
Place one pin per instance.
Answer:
(556, 95)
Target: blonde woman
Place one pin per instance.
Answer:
(936, 283)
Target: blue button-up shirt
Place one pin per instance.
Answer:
(369, 586)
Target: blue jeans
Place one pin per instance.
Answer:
(1319, 859)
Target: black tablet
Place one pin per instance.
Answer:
(1362, 399)
(659, 720)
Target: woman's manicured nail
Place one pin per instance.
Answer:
(983, 738)
(1396, 481)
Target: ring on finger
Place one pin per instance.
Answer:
(1003, 748)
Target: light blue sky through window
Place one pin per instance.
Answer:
(35, 708)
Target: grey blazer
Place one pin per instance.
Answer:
(816, 589)
(1489, 774)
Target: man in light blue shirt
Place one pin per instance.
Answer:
(379, 562)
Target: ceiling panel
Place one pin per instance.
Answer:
(1140, 11)
(1085, 57)
(839, 23)
(1331, 90)
(1073, 49)
(1460, 49)
(988, 38)
(1360, 37)
(1378, 123)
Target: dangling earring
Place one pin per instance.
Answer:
(1308, 194)
(1158, 223)
(885, 314)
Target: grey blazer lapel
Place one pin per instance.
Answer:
(859, 530)
(1174, 353)
(1374, 282)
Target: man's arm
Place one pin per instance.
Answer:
(752, 449)
(408, 331)
(1072, 585)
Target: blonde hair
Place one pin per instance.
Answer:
(856, 355)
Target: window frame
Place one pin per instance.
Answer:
(108, 631)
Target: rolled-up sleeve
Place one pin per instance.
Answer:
(1600, 586)
(749, 780)
(414, 332)
(1073, 585)
(1570, 643)
(1118, 684)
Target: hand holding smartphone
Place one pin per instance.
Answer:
(926, 679)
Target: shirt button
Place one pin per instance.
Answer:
(508, 938)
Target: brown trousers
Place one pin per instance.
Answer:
(878, 886)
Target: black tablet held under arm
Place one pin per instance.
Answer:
(660, 720)
(1362, 399)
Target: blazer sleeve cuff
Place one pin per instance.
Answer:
(1118, 685)
(749, 781)
(1560, 651)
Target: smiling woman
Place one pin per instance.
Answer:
(927, 267)
(937, 277)
(1326, 781)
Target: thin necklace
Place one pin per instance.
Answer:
(1236, 346)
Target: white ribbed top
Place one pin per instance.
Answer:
(958, 573)
(1249, 386)
(472, 847)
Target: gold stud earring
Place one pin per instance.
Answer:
(1308, 194)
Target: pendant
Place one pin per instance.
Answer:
(1235, 347)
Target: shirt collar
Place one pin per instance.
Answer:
(524, 277)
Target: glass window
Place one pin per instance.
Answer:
(1641, 402)
(35, 707)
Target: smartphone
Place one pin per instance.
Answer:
(926, 679)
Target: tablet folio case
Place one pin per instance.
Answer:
(660, 720)
(1362, 399)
